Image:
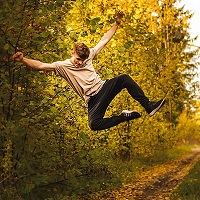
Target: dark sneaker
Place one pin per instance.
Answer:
(129, 115)
(154, 107)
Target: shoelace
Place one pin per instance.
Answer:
(126, 114)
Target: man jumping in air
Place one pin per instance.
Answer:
(80, 74)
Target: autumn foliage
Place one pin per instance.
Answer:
(47, 148)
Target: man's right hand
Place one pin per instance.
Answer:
(18, 56)
(36, 64)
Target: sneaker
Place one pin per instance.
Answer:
(154, 107)
(129, 115)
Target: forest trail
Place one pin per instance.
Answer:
(158, 182)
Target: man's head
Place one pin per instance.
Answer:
(81, 50)
(80, 53)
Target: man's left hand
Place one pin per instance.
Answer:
(119, 16)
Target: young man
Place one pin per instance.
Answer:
(79, 72)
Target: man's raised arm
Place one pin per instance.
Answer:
(19, 57)
(107, 37)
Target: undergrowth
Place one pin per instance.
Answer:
(124, 172)
(189, 189)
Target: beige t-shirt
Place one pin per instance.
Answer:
(84, 80)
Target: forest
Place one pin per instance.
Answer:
(47, 150)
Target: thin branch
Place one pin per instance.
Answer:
(4, 179)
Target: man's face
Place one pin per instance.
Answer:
(76, 60)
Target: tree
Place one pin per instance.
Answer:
(45, 139)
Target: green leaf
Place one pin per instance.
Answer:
(128, 44)
(23, 114)
(93, 30)
(6, 47)
(95, 21)
(54, 110)
(84, 136)
(101, 25)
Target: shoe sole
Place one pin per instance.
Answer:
(137, 114)
(156, 109)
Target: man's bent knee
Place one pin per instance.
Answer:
(94, 125)
(124, 76)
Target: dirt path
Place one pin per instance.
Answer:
(158, 182)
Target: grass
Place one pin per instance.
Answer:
(189, 189)
(126, 170)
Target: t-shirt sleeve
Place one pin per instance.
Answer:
(58, 67)
(58, 63)
(93, 53)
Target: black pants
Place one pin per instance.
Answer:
(98, 103)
